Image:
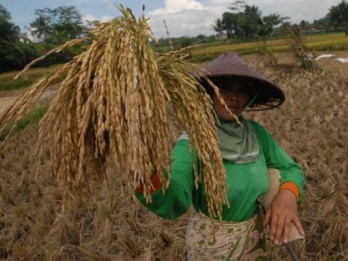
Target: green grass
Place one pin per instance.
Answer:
(31, 118)
(14, 85)
(7, 83)
(314, 42)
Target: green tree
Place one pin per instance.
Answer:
(218, 27)
(250, 22)
(338, 16)
(183, 41)
(320, 24)
(247, 22)
(57, 25)
(69, 21)
(303, 25)
(237, 6)
(232, 20)
(201, 38)
(42, 28)
(10, 47)
(270, 22)
(53, 27)
(9, 32)
(230, 24)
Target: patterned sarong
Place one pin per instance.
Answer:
(208, 239)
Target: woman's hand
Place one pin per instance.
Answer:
(281, 213)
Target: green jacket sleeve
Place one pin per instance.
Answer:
(277, 158)
(178, 196)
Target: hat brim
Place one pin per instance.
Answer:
(229, 66)
(269, 96)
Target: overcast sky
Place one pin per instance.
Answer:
(183, 17)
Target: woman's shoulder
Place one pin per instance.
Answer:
(261, 132)
(256, 125)
(182, 142)
(183, 136)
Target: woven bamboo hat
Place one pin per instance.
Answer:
(229, 66)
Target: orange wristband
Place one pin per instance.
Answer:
(156, 184)
(292, 187)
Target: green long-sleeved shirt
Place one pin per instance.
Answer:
(246, 182)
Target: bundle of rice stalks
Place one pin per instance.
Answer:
(266, 51)
(298, 47)
(112, 106)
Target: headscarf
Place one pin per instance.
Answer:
(238, 142)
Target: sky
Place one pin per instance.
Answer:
(183, 17)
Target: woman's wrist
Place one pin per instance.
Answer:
(156, 184)
(291, 187)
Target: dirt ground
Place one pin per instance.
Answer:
(331, 63)
(5, 102)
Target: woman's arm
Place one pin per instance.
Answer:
(284, 208)
(277, 158)
(178, 196)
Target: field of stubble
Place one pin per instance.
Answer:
(312, 126)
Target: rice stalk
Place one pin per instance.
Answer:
(298, 47)
(113, 106)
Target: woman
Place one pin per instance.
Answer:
(248, 150)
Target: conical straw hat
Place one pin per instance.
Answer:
(229, 66)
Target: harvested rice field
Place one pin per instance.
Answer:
(312, 126)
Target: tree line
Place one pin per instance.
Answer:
(52, 27)
(245, 22)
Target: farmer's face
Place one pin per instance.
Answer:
(236, 96)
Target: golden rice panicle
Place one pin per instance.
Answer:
(113, 106)
(113, 103)
(193, 110)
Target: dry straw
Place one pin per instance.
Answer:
(113, 105)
